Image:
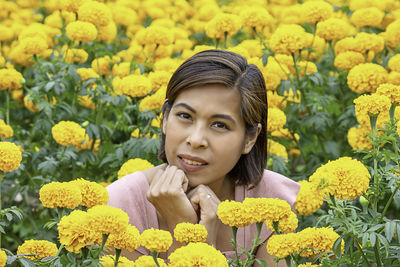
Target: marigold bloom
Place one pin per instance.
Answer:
(394, 63)
(73, 55)
(102, 65)
(358, 138)
(154, 101)
(366, 77)
(81, 31)
(134, 165)
(75, 231)
(398, 128)
(222, 24)
(286, 224)
(107, 219)
(282, 246)
(276, 119)
(288, 39)
(156, 240)
(188, 232)
(366, 105)
(159, 79)
(60, 194)
(109, 261)
(255, 18)
(92, 193)
(87, 142)
(333, 29)
(33, 45)
(148, 261)
(3, 258)
(68, 133)
(107, 33)
(124, 16)
(348, 60)
(321, 239)
(10, 156)
(197, 254)
(392, 34)
(10, 79)
(266, 209)
(277, 149)
(315, 11)
(234, 214)
(87, 73)
(129, 239)
(40, 248)
(370, 16)
(5, 130)
(95, 12)
(307, 264)
(309, 199)
(135, 85)
(158, 35)
(6, 34)
(390, 90)
(394, 78)
(71, 5)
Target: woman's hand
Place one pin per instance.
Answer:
(205, 203)
(167, 194)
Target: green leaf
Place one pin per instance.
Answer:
(49, 86)
(2, 230)
(372, 238)
(261, 262)
(365, 238)
(390, 228)
(26, 263)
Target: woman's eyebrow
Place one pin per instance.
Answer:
(222, 116)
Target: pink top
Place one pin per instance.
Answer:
(129, 194)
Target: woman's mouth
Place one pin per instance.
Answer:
(192, 164)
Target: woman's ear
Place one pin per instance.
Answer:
(251, 140)
(164, 123)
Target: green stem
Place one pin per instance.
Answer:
(59, 250)
(7, 107)
(255, 242)
(234, 231)
(388, 204)
(117, 254)
(225, 37)
(377, 254)
(103, 242)
(362, 252)
(154, 254)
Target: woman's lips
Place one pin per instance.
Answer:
(192, 167)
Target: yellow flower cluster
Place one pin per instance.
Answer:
(60, 194)
(148, 261)
(74, 55)
(134, 165)
(307, 264)
(68, 133)
(81, 31)
(33, 45)
(135, 85)
(87, 142)
(96, 13)
(129, 239)
(358, 138)
(107, 219)
(154, 101)
(197, 254)
(5, 130)
(276, 119)
(277, 149)
(370, 16)
(394, 63)
(333, 29)
(3, 258)
(282, 246)
(309, 199)
(188, 232)
(375, 104)
(255, 18)
(288, 39)
(366, 77)
(156, 240)
(39, 248)
(10, 79)
(93, 194)
(87, 73)
(348, 60)
(233, 213)
(223, 24)
(109, 261)
(315, 11)
(157, 35)
(10, 156)
(390, 90)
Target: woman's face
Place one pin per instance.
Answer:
(205, 133)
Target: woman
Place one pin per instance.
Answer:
(214, 147)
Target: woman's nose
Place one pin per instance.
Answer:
(197, 138)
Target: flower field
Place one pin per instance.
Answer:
(82, 84)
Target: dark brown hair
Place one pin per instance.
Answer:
(231, 70)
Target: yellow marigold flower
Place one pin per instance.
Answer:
(135, 85)
(394, 78)
(87, 73)
(333, 29)
(159, 79)
(309, 199)
(156, 240)
(398, 128)
(320, 239)
(10, 156)
(306, 67)
(158, 35)
(167, 64)
(40, 248)
(370, 16)
(292, 96)
(71, 5)
(58, 194)
(234, 214)
(277, 149)
(102, 65)
(315, 11)
(307, 264)
(108, 220)
(266, 209)
(374, 104)
(222, 24)
(366, 77)
(108, 261)
(282, 246)
(255, 18)
(107, 33)
(275, 100)
(124, 16)
(370, 42)
(148, 261)
(92, 193)
(75, 231)
(129, 239)
(358, 138)
(154, 101)
(10, 79)
(359, 4)
(122, 70)
(87, 142)
(347, 44)
(188, 232)
(287, 224)
(68, 133)
(81, 31)
(288, 39)
(95, 12)
(33, 45)
(394, 63)
(253, 47)
(73, 55)
(348, 60)
(3, 258)
(6, 34)
(392, 34)
(276, 119)
(87, 102)
(197, 254)
(134, 165)
(5, 130)
(390, 90)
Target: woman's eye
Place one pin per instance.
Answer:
(220, 125)
(183, 115)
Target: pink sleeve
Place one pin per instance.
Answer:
(129, 194)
